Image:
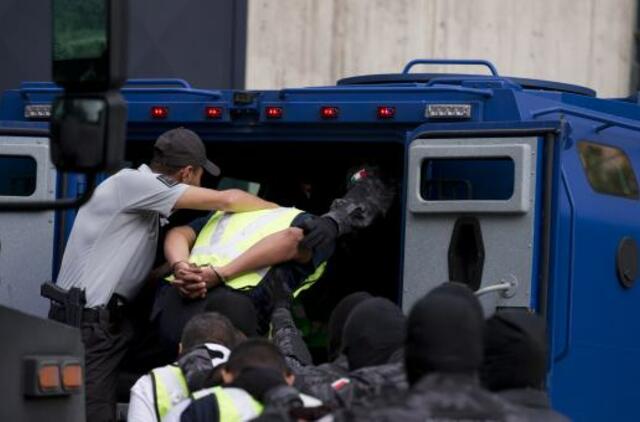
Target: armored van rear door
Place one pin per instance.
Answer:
(26, 239)
(472, 208)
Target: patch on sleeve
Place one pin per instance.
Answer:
(340, 384)
(167, 181)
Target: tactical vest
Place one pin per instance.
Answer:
(234, 404)
(228, 235)
(169, 388)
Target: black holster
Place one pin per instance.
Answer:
(67, 306)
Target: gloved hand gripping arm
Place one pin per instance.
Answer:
(367, 199)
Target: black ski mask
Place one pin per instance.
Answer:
(444, 333)
(515, 351)
(374, 331)
(337, 320)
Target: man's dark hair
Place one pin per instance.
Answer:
(208, 327)
(256, 354)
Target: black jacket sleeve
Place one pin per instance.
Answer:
(365, 201)
(289, 339)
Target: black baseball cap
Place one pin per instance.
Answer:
(183, 147)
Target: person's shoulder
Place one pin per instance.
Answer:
(143, 384)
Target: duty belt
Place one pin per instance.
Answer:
(68, 306)
(59, 313)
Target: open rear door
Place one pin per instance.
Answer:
(26, 239)
(472, 208)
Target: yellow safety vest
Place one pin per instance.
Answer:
(234, 404)
(169, 388)
(226, 236)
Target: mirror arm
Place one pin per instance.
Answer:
(60, 204)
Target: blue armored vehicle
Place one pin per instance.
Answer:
(525, 190)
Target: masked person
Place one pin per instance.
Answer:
(112, 246)
(255, 375)
(287, 337)
(207, 341)
(371, 340)
(443, 353)
(515, 363)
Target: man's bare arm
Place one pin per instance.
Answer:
(178, 244)
(231, 200)
(278, 247)
(274, 249)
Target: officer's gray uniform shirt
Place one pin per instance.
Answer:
(114, 238)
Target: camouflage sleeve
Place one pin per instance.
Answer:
(366, 200)
(289, 340)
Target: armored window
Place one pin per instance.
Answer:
(17, 175)
(608, 170)
(470, 179)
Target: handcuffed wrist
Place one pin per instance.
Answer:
(175, 264)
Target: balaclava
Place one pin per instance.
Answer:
(515, 354)
(444, 333)
(337, 320)
(374, 331)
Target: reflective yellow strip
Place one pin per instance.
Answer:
(170, 388)
(236, 405)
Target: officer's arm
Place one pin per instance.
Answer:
(232, 200)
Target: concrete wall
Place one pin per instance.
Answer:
(309, 42)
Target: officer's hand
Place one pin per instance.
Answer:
(319, 233)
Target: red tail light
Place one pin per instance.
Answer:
(213, 112)
(159, 112)
(273, 112)
(329, 112)
(386, 112)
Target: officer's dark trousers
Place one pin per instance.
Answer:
(105, 343)
(106, 338)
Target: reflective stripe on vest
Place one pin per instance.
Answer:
(170, 388)
(228, 235)
(234, 404)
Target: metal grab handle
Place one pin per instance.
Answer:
(158, 82)
(468, 62)
(506, 287)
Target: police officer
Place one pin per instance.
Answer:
(207, 341)
(443, 353)
(112, 247)
(255, 374)
(515, 363)
(372, 340)
(287, 337)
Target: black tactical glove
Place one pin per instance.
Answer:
(277, 285)
(320, 233)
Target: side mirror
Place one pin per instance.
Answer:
(88, 122)
(87, 131)
(89, 44)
